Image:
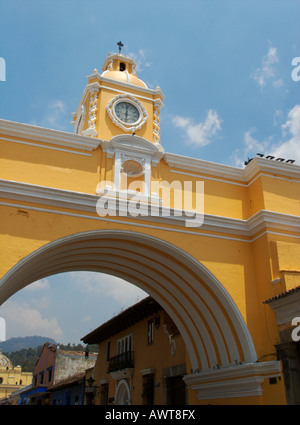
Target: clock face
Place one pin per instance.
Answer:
(127, 112)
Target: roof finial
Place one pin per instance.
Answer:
(120, 46)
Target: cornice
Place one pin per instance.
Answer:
(203, 167)
(60, 198)
(271, 219)
(153, 92)
(262, 165)
(43, 195)
(233, 381)
(46, 135)
(134, 145)
(286, 307)
(241, 175)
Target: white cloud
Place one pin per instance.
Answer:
(22, 320)
(253, 145)
(200, 134)
(55, 116)
(290, 149)
(140, 60)
(292, 124)
(278, 117)
(39, 285)
(87, 318)
(109, 286)
(267, 69)
(56, 110)
(287, 149)
(278, 83)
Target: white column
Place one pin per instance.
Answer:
(117, 171)
(147, 178)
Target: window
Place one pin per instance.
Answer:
(107, 350)
(122, 66)
(124, 357)
(150, 331)
(1, 380)
(124, 344)
(42, 378)
(148, 389)
(49, 374)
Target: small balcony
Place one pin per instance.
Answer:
(121, 361)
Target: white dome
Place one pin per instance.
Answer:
(4, 361)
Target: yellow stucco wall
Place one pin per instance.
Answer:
(13, 379)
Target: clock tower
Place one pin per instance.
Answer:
(119, 108)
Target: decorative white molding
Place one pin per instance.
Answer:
(60, 198)
(102, 79)
(122, 394)
(124, 196)
(234, 381)
(156, 122)
(122, 374)
(204, 167)
(93, 89)
(242, 175)
(286, 308)
(91, 131)
(117, 56)
(134, 146)
(276, 220)
(148, 371)
(130, 99)
(45, 135)
(55, 148)
(93, 108)
(261, 165)
(79, 119)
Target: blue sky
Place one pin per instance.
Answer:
(224, 66)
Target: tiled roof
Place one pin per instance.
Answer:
(282, 295)
(71, 380)
(134, 314)
(76, 353)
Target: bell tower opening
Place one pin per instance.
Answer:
(122, 66)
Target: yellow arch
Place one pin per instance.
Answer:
(210, 323)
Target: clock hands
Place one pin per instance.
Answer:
(127, 112)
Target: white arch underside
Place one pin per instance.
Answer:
(122, 393)
(206, 316)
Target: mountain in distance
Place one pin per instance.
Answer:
(20, 343)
